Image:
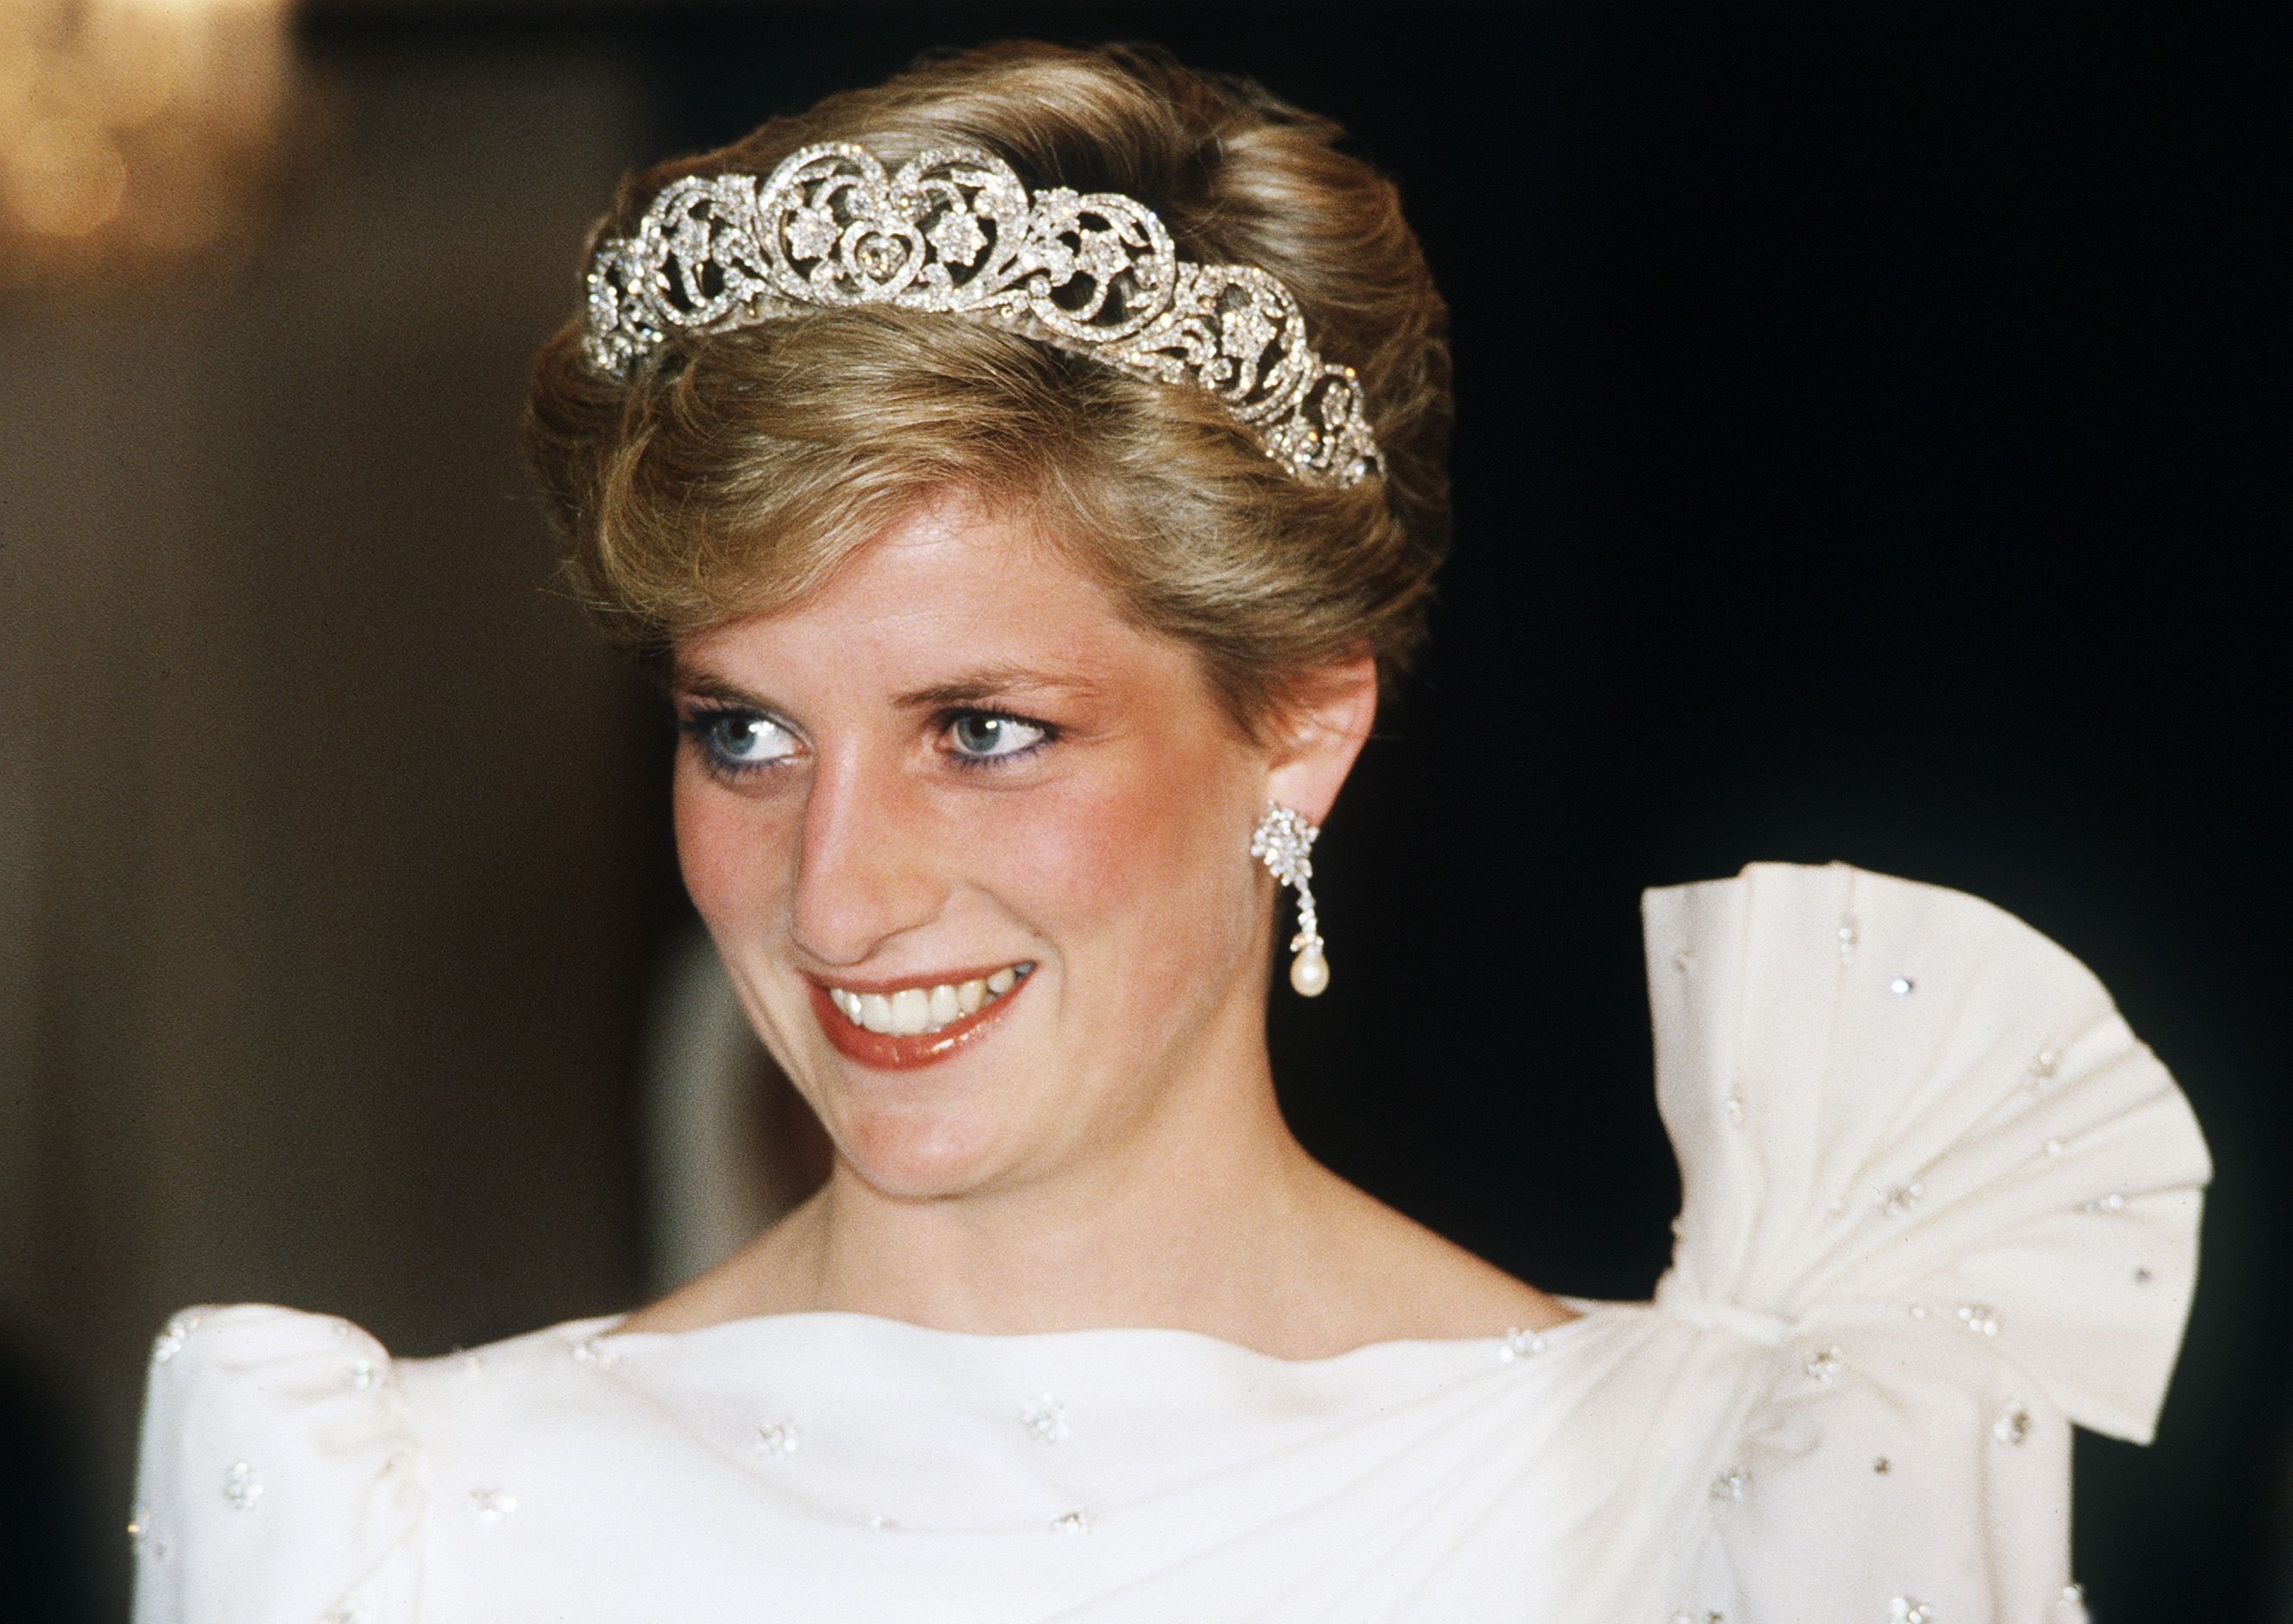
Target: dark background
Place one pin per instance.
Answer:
(1872, 445)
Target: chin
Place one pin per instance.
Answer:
(916, 1155)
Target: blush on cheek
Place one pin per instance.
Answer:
(1149, 857)
(730, 851)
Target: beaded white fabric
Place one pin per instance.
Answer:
(1830, 1410)
(955, 233)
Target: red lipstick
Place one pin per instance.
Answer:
(888, 1052)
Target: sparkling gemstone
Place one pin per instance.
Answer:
(2054, 1147)
(882, 1523)
(1735, 1109)
(170, 1341)
(242, 1487)
(1909, 1609)
(2112, 1202)
(596, 1351)
(1980, 1318)
(1899, 1198)
(1826, 1365)
(1731, 1484)
(365, 1373)
(1902, 986)
(2014, 1426)
(491, 1506)
(1045, 1419)
(1520, 1344)
(776, 1437)
(1073, 1523)
(1846, 941)
(2044, 1064)
(138, 1524)
(1918, 1311)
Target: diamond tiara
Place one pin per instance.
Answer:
(955, 232)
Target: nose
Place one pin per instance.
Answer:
(866, 871)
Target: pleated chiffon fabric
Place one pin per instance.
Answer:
(1939, 1204)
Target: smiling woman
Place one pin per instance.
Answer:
(1023, 477)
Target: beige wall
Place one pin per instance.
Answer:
(328, 838)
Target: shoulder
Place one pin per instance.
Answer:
(1938, 1204)
(288, 1455)
(276, 1460)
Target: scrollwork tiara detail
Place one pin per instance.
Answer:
(955, 232)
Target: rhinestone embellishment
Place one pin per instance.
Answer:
(1899, 1198)
(1902, 986)
(1045, 1419)
(242, 1487)
(2013, 1426)
(1846, 939)
(776, 1437)
(1518, 1343)
(1824, 1365)
(1735, 1109)
(1732, 1484)
(596, 1351)
(491, 1506)
(170, 1341)
(1980, 1318)
(1073, 1523)
(365, 1373)
(1909, 1609)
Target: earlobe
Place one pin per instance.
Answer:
(1320, 735)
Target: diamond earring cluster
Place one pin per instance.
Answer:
(1283, 841)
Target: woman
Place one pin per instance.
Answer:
(1024, 476)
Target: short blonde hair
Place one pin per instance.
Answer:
(734, 473)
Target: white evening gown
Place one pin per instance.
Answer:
(1939, 1204)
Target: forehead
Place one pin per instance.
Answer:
(946, 592)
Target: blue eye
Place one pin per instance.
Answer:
(981, 736)
(738, 740)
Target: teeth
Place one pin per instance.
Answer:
(914, 1010)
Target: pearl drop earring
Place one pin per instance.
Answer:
(1282, 841)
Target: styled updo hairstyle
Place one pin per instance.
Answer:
(733, 471)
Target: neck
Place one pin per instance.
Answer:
(1192, 1220)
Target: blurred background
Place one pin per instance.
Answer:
(1873, 446)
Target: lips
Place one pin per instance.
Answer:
(898, 1051)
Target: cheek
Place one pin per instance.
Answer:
(729, 847)
(1151, 858)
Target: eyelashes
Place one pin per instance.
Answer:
(734, 742)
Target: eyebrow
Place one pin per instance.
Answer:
(969, 688)
(975, 687)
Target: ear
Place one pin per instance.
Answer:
(1316, 736)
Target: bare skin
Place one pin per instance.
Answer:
(955, 755)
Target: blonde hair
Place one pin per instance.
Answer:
(736, 472)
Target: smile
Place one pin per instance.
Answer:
(896, 1027)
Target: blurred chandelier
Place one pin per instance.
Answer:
(135, 135)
